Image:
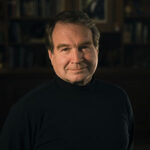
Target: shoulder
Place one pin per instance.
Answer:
(40, 91)
(112, 92)
(109, 87)
(115, 96)
(29, 109)
(36, 98)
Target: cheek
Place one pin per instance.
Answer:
(91, 57)
(62, 61)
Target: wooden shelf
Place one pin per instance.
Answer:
(21, 71)
(3, 44)
(30, 19)
(27, 44)
(140, 45)
(137, 18)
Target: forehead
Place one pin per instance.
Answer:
(67, 24)
(71, 30)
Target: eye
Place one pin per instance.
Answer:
(65, 49)
(84, 47)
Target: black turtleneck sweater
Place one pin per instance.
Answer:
(62, 116)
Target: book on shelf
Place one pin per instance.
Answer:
(142, 58)
(146, 34)
(2, 32)
(127, 35)
(136, 32)
(37, 40)
(1, 37)
(60, 5)
(13, 8)
(29, 8)
(110, 57)
(35, 8)
(141, 33)
(1, 59)
(26, 57)
(29, 58)
(14, 32)
(22, 8)
(20, 57)
(32, 31)
(50, 8)
(11, 57)
(2, 13)
(26, 32)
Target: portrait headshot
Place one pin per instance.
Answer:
(74, 110)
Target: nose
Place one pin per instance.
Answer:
(77, 55)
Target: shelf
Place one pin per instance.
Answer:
(30, 19)
(19, 73)
(27, 44)
(137, 18)
(140, 45)
(22, 44)
(3, 44)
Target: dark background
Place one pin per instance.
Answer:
(124, 53)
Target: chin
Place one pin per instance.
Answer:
(80, 79)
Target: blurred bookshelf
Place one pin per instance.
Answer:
(22, 29)
(124, 27)
(136, 34)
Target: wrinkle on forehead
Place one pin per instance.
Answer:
(74, 34)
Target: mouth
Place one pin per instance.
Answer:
(77, 69)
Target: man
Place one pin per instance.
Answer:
(73, 111)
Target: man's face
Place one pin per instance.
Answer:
(75, 57)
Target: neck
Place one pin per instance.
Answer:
(80, 83)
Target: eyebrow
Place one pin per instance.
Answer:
(67, 45)
(86, 43)
(62, 45)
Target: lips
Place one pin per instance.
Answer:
(77, 69)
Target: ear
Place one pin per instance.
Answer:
(50, 54)
(97, 50)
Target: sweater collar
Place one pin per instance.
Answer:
(73, 87)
